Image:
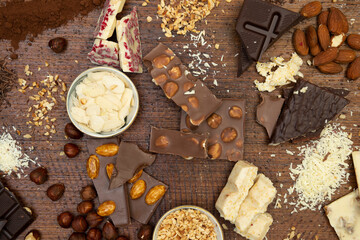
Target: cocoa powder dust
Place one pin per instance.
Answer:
(20, 18)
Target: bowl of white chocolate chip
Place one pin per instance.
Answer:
(102, 102)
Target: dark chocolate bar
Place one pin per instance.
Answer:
(121, 216)
(259, 25)
(306, 110)
(131, 159)
(177, 83)
(227, 121)
(15, 218)
(187, 145)
(268, 111)
(139, 210)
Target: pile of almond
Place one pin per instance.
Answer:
(324, 42)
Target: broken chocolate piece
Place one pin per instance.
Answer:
(139, 210)
(187, 145)
(14, 217)
(244, 61)
(268, 111)
(107, 20)
(121, 216)
(259, 31)
(131, 159)
(104, 52)
(307, 110)
(230, 115)
(177, 83)
(128, 36)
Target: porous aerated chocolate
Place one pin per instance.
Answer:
(19, 19)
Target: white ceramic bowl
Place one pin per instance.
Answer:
(218, 229)
(133, 111)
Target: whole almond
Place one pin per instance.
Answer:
(155, 194)
(330, 68)
(326, 56)
(107, 150)
(337, 22)
(353, 71)
(323, 18)
(315, 50)
(345, 56)
(324, 36)
(106, 208)
(138, 189)
(338, 40)
(353, 41)
(300, 44)
(311, 36)
(93, 166)
(311, 9)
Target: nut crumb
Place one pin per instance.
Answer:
(149, 19)
(217, 46)
(27, 136)
(144, 4)
(46, 64)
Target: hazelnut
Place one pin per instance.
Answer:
(136, 176)
(33, 235)
(215, 150)
(77, 236)
(109, 231)
(194, 102)
(85, 207)
(162, 142)
(235, 112)
(122, 238)
(93, 219)
(58, 44)
(88, 193)
(145, 232)
(228, 134)
(175, 72)
(109, 170)
(106, 208)
(214, 121)
(94, 234)
(72, 132)
(55, 191)
(187, 86)
(189, 124)
(71, 150)
(79, 224)
(170, 89)
(39, 175)
(65, 219)
(159, 80)
(161, 61)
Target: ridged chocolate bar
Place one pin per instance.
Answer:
(226, 129)
(306, 110)
(259, 25)
(14, 217)
(178, 84)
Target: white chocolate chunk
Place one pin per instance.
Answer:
(128, 36)
(96, 123)
(260, 196)
(79, 115)
(105, 52)
(356, 160)
(233, 194)
(93, 110)
(344, 216)
(260, 225)
(107, 20)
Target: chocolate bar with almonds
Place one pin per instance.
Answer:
(178, 85)
(187, 145)
(226, 129)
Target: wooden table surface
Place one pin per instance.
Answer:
(197, 181)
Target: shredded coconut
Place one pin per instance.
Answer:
(323, 169)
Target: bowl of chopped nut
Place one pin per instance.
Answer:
(191, 222)
(102, 102)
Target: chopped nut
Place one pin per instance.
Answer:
(27, 136)
(149, 19)
(217, 46)
(144, 4)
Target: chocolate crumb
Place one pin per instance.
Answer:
(14, 56)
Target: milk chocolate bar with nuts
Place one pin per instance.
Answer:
(187, 145)
(179, 85)
(226, 129)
